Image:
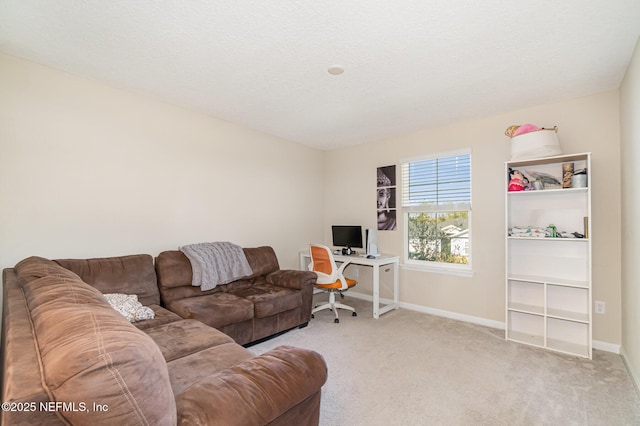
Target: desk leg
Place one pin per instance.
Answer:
(377, 310)
(376, 292)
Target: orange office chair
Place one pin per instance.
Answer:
(330, 279)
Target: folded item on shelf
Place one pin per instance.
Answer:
(528, 231)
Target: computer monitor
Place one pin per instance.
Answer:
(349, 236)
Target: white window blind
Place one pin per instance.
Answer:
(437, 184)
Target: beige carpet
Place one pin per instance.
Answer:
(410, 368)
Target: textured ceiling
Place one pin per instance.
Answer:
(408, 65)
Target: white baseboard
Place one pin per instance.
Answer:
(454, 315)
(596, 344)
(605, 346)
(437, 312)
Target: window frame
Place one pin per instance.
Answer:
(428, 265)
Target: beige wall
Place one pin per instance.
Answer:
(630, 153)
(89, 170)
(589, 124)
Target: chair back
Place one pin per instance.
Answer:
(323, 264)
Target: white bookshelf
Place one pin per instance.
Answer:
(548, 280)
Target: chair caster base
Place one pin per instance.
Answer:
(354, 314)
(337, 321)
(312, 316)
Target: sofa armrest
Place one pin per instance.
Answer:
(256, 391)
(291, 278)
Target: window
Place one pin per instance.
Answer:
(436, 203)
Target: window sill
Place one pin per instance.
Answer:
(439, 269)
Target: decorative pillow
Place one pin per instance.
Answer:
(129, 307)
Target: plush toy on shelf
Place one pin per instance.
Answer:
(517, 181)
(521, 129)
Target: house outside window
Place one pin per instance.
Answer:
(436, 203)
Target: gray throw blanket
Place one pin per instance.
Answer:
(216, 263)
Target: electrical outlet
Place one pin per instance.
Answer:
(601, 307)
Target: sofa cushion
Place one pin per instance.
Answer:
(161, 316)
(134, 274)
(35, 267)
(174, 277)
(185, 337)
(216, 309)
(174, 269)
(263, 260)
(44, 292)
(270, 300)
(90, 353)
(186, 371)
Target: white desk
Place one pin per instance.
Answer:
(376, 264)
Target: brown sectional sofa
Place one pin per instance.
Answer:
(69, 358)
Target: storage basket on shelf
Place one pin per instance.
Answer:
(535, 144)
